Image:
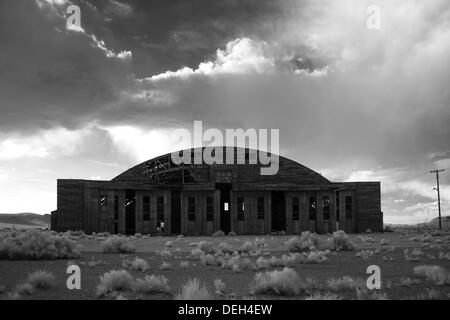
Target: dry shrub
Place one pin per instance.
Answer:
(165, 266)
(115, 281)
(208, 260)
(184, 264)
(220, 286)
(41, 280)
(284, 283)
(206, 247)
(37, 245)
(323, 296)
(262, 263)
(407, 282)
(118, 282)
(340, 241)
(152, 284)
(345, 283)
(225, 248)
(192, 290)
(307, 241)
(166, 254)
(196, 253)
(247, 247)
(365, 254)
(436, 274)
(116, 244)
(140, 265)
(219, 233)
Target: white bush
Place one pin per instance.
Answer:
(37, 245)
(152, 284)
(323, 296)
(196, 253)
(192, 290)
(247, 247)
(225, 248)
(262, 263)
(41, 280)
(306, 242)
(436, 274)
(340, 241)
(206, 246)
(165, 266)
(116, 244)
(208, 260)
(220, 286)
(345, 283)
(140, 265)
(219, 233)
(284, 282)
(115, 281)
(166, 254)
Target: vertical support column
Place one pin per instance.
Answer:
(332, 211)
(139, 212)
(233, 212)
(121, 223)
(110, 218)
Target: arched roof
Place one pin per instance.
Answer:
(162, 170)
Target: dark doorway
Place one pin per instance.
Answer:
(278, 211)
(175, 208)
(130, 212)
(225, 206)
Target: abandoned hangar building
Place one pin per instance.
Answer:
(160, 197)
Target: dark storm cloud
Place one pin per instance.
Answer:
(50, 76)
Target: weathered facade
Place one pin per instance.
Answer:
(159, 197)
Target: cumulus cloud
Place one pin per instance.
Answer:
(353, 103)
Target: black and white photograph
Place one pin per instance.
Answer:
(242, 153)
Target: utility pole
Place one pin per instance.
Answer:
(439, 195)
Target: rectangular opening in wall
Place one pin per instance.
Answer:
(209, 209)
(326, 208)
(295, 209)
(348, 207)
(225, 198)
(191, 209)
(338, 212)
(278, 211)
(160, 213)
(261, 208)
(146, 208)
(312, 208)
(175, 212)
(116, 214)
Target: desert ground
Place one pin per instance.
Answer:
(414, 265)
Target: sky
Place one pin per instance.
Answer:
(352, 103)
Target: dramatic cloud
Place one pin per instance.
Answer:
(352, 103)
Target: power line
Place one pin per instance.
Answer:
(439, 195)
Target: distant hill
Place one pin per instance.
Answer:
(24, 219)
(430, 225)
